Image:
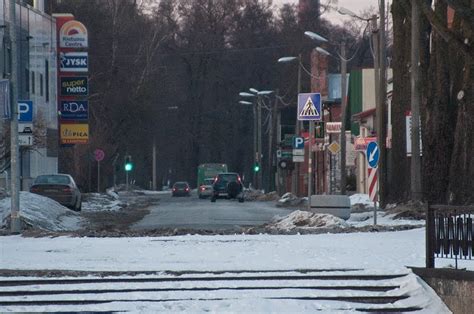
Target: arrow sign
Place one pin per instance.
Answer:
(373, 154)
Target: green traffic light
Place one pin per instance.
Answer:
(128, 166)
(256, 168)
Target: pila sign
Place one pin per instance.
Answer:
(72, 133)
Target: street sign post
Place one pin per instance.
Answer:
(98, 156)
(310, 109)
(298, 142)
(373, 155)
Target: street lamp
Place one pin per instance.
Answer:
(154, 181)
(258, 128)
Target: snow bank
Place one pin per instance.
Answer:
(361, 199)
(304, 219)
(101, 202)
(42, 213)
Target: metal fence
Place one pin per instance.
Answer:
(449, 233)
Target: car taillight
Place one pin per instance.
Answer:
(187, 189)
(238, 179)
(174, 189)
(34, 189)
(68, 189)
(203, 188)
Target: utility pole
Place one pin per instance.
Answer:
(416, 191)
(15, 224)
(259, 140)
(343, 116)
(271, 177)
(255, 144)
(296, 172)
(382, 110)
(154, 164)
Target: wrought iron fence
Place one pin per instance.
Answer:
(449, 233)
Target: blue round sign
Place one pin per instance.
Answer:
(373, 154)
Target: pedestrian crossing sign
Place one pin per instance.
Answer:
(309, 107)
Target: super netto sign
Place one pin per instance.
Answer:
(74, 86)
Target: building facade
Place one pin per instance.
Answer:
(37, 83)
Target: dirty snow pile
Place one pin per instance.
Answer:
(41, 212)
(308, 220)
(361, 201)
(101, 202)
(289, 199)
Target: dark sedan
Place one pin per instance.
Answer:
(181, 189)
(59, 187)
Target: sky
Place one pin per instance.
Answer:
(355, 6)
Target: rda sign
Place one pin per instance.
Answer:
(74, 86)
(74, 110)
(73, 34)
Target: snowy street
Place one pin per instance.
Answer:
(191, 212)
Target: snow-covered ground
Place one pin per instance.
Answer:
(372, 253)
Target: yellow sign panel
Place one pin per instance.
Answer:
(74, 133)
(334, 148)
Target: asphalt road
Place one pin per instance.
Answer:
(194, 213)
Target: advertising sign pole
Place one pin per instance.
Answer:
(98, 176)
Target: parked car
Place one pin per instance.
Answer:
(205, 189)
(181, 189)
(59, 187)
(228, 185)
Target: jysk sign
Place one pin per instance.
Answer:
(74, 110)
(74, 86)
(74, 133)
(73, 61)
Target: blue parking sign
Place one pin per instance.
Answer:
(25, 111)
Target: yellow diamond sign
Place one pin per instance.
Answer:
(334, 148)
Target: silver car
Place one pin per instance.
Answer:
(59, 187)
(205, 189)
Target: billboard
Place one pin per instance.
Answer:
(74, 86)
(74, 110)
(74, 133)
(73, 34)
(73, 62)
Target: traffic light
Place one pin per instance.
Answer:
(256, 167)
(128, 163)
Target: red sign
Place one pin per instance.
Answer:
(361, 143)
(99, 154)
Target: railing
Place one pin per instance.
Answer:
(449, 233)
